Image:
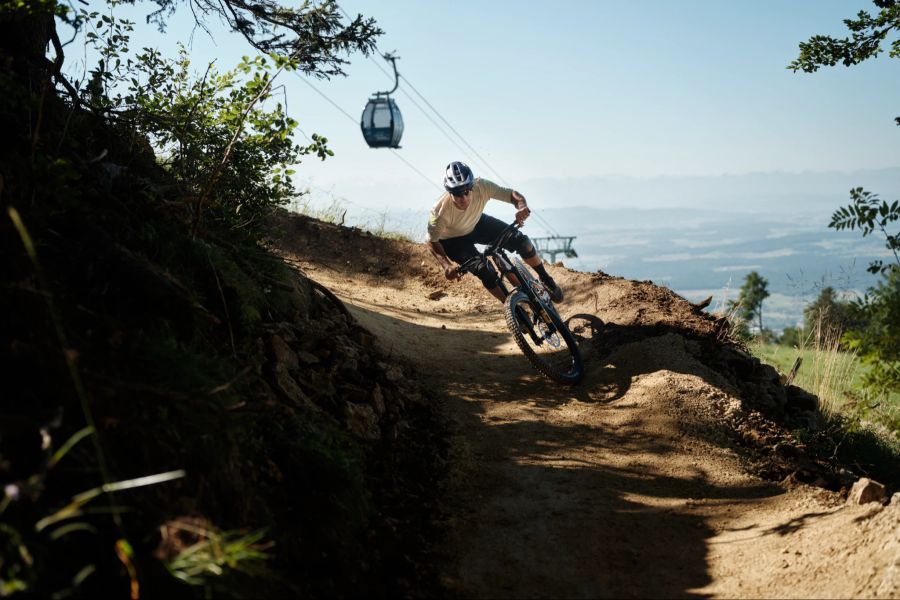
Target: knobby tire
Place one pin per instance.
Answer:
(570, 375)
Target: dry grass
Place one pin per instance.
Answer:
(833, 370)
(827, 370)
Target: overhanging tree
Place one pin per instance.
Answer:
(878, 342)
(313, 38)
(312, 35)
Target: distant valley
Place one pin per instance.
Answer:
(699, 236)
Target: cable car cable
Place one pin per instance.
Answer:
(397, 154)
(492, 169)
(346, 114)
(453, 129)
(425, 177)
(439, 128)
(459, 135)
(424, 112)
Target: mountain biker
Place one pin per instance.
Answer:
(457, 223)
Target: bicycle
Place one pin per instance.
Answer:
(534, 321)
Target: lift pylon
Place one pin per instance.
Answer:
(553, 245)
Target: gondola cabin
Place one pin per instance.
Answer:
(382, 123)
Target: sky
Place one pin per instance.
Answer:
(580, 90)
(619, 120)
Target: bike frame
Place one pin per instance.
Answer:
(520, 278)
(530, 312)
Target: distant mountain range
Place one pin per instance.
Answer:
(747, 193)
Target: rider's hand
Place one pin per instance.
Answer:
(522, 210)
(451, 273)
(522, 214)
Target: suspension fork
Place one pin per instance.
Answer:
(542, 313)
(507, 271)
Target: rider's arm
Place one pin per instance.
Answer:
(522, 210)
(437, 251)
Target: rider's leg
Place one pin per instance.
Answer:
(490, 279)
(461, 249)
(498, 293)
(487, 229)
(521, 244)
(553, 288)
(537, 264)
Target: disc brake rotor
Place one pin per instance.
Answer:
(550, 338)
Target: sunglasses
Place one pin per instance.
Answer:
(461, 194)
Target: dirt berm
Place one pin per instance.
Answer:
(679, 467)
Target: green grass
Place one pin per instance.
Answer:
(835, 376)
(831, 374)
(860, 431)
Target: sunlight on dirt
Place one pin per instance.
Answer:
(630, 484)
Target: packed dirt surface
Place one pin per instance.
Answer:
(635, 483)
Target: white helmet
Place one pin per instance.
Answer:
(458, 178)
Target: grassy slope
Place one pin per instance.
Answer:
(862, 431)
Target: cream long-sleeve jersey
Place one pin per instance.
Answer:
(446, 221)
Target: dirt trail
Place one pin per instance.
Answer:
(628, 485)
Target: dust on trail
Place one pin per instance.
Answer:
(627, 485)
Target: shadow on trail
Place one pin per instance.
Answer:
(550, 506)
(550, 526)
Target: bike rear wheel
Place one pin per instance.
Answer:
(550, 348)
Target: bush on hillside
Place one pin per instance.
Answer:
(791, 337)
(827, 312)
(227, 150)
(878, 344)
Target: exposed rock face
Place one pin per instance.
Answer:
(336, 367)
(362, 421)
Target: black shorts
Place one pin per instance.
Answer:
(461, 248)
(487, 230)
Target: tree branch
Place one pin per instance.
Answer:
(237, 132)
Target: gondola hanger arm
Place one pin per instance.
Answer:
(392, 57)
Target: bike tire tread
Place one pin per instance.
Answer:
(571, 378)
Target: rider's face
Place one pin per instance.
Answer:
(462, 202)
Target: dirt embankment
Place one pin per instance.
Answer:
(672, 470)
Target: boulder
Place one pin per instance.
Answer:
(350, 392)
(866, 490)
(307, 358)
(287, 386)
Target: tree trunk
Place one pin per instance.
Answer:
(23, 66)
(23, 42)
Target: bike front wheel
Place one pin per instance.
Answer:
(548, 346)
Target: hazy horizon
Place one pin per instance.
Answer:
(697, 235)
